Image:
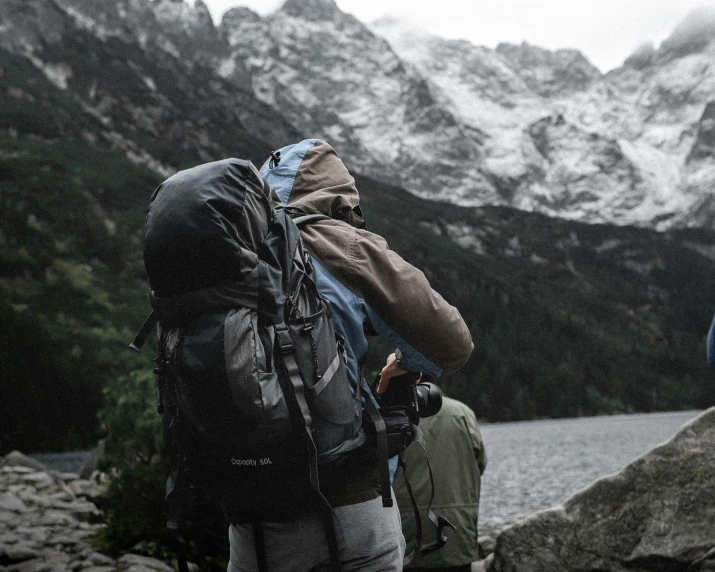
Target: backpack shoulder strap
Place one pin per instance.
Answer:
(147, 327)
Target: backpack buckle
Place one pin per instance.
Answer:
(284, 341)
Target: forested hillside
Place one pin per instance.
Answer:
(73, 194)
(568, 319)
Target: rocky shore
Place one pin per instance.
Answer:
(47, 519)
(655, 515)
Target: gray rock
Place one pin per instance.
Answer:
(10, 502)
(64, 495)
(99, 569)
(64, 540)
(99, 559)
(657, 513)
(143, 563)
(35, 534)
(15, 470)
(17, 459)
(39, 480)
(84, 511)
(57, 518)
(486, 545)
(9, 538)
(32, 498)
(35, 565)
(82, 488)
(17, 552)
(55, 557)
(11, 520)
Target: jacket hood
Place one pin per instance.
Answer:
(311, 178)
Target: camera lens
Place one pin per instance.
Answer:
(429, 399)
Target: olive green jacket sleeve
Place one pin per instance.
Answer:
(397, 291)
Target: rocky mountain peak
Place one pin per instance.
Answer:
(180, 14)
(235, 17)
(549, 73)
(189, 27)
(202, 12)
(312, 9)
(633, 147)
(693, 34)
(642, 57)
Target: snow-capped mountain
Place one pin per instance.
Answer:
(334, 78)
(447, 120)
(627, 147)
(518, 125)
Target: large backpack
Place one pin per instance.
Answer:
(255, 398)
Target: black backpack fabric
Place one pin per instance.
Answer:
(246, 343)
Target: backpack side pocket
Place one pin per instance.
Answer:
(252, 377)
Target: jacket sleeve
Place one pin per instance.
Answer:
(475, 435)
(397, 294)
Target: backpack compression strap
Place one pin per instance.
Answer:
(143, 333)
(287, 351)
(383, 456)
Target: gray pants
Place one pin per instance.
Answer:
(369, 539)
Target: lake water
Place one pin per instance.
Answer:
(68, 462)
(534, 465)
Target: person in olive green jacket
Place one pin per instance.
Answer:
(458, 459)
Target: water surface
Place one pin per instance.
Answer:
(534, 465)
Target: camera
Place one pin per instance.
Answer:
(421, 400)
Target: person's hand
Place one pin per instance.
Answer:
(392, 368)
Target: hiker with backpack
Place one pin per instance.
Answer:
(262, 338)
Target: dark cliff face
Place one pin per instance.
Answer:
(704, 146)
(190, 28)
(120, 61)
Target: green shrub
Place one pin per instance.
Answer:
(133, 503)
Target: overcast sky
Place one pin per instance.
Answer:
(606, 31)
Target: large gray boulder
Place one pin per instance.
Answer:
(656, 515)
